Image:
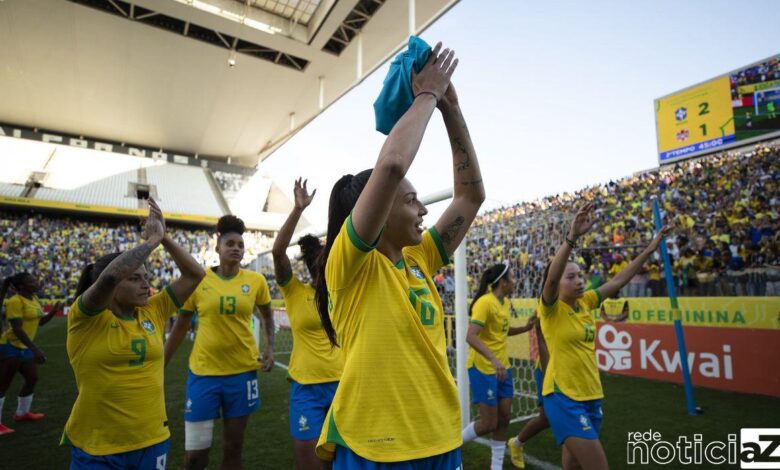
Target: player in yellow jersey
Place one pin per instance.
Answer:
(222, 379)
(538, 423)
(315, 366)
(572, 387)
(17, 350)
(541, 356)
(115, 347)
(396, 405)
(490, 376)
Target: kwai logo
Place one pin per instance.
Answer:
(616, 354)
(617, 351)
(709, 364)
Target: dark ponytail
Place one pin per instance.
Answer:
(310, 251)
(3, 289)
(490, 277)
(343, 198)
(92, 271)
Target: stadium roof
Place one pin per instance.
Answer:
(155, 72)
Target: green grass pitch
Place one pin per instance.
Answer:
(630, 405)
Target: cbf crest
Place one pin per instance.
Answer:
(417, 272)
(245, 288)
(148, 326)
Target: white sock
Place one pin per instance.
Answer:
(516, 442)
(2, 401)
(498, 449)
(468, 433)
(24, 405)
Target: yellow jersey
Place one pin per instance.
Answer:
(614, 307)
(29, 311)
(118, 364)
(617, 267)
(423, 261)
(396, 400)
(570, 335)
(313, 360)
(492, 315)
(225, 344)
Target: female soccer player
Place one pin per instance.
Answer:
(488, 362)
(115, 346)
(572, 387)
(17, 350)
(539, 422)
(222, 379)
(396, 401)
(315, 366)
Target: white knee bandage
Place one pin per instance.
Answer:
(198, 435)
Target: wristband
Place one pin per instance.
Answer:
(427, 93)
(571, 243)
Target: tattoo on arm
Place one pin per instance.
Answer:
(463, 125)
(125, 264)
(451, 231)
(471, 183)
(458, 147)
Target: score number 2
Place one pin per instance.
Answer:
(704, 108)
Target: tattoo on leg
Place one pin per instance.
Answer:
(451, 231)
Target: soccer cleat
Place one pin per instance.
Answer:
(29, 416)
(516, 452)
(5, 430)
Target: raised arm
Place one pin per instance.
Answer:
(623, 277)
(191, 272)
(98, 295)
(52, 313)
(582, 223)
(282, 266)
(400, 148)
(468, 189)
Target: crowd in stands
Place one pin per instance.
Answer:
(230, 183)
(56, 248)
(763, 72)
(725, 207)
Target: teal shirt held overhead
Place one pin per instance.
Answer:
(397, 95)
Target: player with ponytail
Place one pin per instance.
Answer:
(396, 400)
(488, 362)
(572, 387)
(18, 353)
(115, 345)
(315, 365)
